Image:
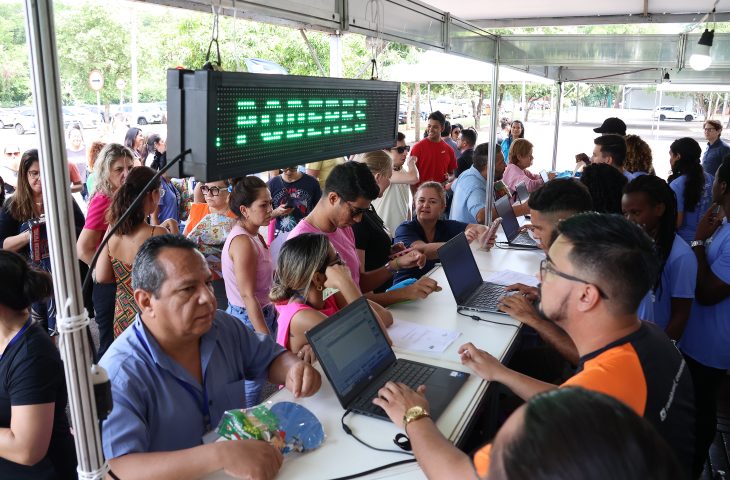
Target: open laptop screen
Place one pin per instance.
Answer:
(522, 193)
(352, 348)
(509, 221)
(460, 267)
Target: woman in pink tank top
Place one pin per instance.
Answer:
(247, 266)
(311, 283)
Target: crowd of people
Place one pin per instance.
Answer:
(204, 293)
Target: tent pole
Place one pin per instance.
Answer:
(492, 138)
(557, 124)
(71, 317)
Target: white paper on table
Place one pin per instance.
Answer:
(415, 337)
(508, 277)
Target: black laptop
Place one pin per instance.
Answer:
(357, 359)
(462, 272)
(511, 227)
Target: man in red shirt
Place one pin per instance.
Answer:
(436, 159)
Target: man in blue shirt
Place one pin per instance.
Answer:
(470, 192)
(180, 366)
(716, 148)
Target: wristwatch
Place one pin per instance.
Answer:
(697, 243)
(413, 414)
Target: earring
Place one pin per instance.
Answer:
(320, 288)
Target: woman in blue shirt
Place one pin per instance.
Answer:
(707, 336)
(649, 202)
(690, 183)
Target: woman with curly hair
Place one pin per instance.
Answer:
(691, 184)
(638, 156)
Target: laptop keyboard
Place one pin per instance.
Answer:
(524, 238)
(486, 297)
(410, 374)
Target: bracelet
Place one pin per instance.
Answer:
(391, 269)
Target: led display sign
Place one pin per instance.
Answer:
(241, 123)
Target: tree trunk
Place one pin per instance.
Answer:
(409, 105)
(478, 110)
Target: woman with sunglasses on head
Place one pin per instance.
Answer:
(427, 232)
(248, 267)
(115, 265)
(311, 283)
(20, 219)
(209, 223)
(35, 437)
(650, 203)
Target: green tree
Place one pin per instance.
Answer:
(14, 76)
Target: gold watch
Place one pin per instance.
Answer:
(413, 414)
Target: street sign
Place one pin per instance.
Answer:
(96, 80)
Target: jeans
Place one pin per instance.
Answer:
(254, 387)
(104, 295)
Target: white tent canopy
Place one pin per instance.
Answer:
(437, 67)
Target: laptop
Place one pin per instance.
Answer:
(522, 193)
(462, 272)
(511, 227)
(357, 359)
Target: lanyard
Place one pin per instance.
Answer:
(16, 337)
(202, 404)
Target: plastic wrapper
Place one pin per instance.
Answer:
(286, 425)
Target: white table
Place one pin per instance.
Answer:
(341, 455)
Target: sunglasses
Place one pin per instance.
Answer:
(14, 154)
(407, 148)
(356, 211)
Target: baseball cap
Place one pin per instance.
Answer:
(612, 125)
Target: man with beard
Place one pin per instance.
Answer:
(593, 279)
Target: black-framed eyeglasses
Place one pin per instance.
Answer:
(356, 211)
(546, 266)
(213, 191)
(710, 129)
(407, 148)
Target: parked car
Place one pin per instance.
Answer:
(673, 113)
(142, 115)
(7, 115)
(79, 116)
(25, 121)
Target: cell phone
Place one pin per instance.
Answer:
(401, 253)
(484, 241)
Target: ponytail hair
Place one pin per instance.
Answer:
(20, 285)
(299, 259)
(689, 152)
(136, 180)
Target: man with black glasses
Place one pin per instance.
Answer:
(394, 206)
(595, 274)
(348, 193)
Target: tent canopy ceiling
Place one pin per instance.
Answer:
(428, 24)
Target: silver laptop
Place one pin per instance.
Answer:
(462, 272)
(357, 359)
(522, 193)
(511, 226)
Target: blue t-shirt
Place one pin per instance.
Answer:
(707, 336)
(693, 217)
(409, 232)
(169, 202)
(712, 159)
(303, 194)
(470, 196)
(153, 410)
(678, 280)
(506, 143)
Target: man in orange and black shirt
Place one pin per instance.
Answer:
(593, 279)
